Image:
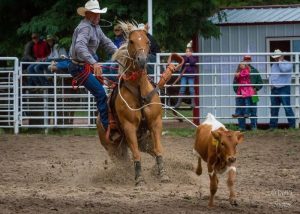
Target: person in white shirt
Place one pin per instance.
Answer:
(280, 81)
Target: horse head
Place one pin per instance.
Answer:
(136, 49)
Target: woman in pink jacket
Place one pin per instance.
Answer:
(245, 91)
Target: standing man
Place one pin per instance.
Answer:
(85, 41)
(280, 80)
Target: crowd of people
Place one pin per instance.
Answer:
(88, 37)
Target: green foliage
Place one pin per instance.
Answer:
(174, 22)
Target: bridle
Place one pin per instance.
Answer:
(133, 57)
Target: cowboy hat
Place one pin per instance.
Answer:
(190, 44)
(51, 37)
(277, 53)
(92, 6)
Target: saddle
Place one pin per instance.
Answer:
(114, 132)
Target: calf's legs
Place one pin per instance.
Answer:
(230, 183)
(213, 188)
(199, 167)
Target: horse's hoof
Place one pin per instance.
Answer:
(199, 172)
(140, 182)
(233, 202)
(210, 206)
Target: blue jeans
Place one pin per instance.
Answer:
(250, 109)
(41, 80)
(38, 69)
(94, 86)
(62, 64)
(277, 98)
(32, 80)
(187, 80)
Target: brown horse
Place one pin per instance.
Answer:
(137, 105)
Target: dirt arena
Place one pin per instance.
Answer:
(72, 174)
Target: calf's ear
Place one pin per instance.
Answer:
(216, 134)
(240, 136)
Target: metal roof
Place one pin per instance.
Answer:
(251, 15)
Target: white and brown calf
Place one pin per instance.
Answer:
(218, 149)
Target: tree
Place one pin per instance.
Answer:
(174, 23)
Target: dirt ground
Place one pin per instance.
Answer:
(73, 174)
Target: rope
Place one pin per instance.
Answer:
(152, 103)
(82, 76)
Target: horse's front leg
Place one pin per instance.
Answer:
(131, 138)
(156, 130)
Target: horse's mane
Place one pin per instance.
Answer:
(122, 54)
(128, 27)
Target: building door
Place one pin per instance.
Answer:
(283, 45)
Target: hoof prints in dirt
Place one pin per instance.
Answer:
(47, 174)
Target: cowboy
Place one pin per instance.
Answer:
(85, 41)
(280, 81)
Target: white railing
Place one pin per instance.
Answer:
(58, 105)
(216, 95)
(9, 93)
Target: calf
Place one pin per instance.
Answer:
(217, 146)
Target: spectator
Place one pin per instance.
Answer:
(55, 54)
(28, 50)
(40, 51)
(255, 81)
(154, 48)
(119, 36)
(118, 40)
(187, 81)
(28, 56)
(85, 41)
(280, 80)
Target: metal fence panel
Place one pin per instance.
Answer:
(9, 93)
(58, 105)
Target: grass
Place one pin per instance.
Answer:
(184, 112)
(180, 132)
(1, 131)
(81, 114)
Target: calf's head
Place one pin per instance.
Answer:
(226, 142)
